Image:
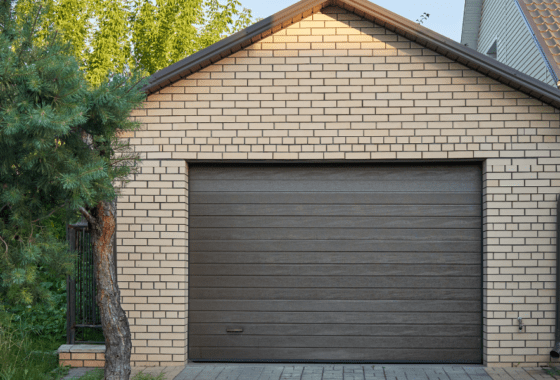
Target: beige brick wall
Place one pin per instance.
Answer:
(152, 261)
(336, 87)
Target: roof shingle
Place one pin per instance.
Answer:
(543, 17)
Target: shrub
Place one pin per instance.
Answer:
(47, 319)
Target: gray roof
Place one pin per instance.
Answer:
(381, 16)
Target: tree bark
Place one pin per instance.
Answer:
(113, 318)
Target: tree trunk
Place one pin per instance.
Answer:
(113, 318)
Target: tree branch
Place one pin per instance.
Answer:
(134, 85)
(32, 29)
(49, 214)
(6, 244)
(88, 216)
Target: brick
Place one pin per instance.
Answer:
(83, 356)
(94, 363)
(72, 363)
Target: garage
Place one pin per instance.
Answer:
(376, 263)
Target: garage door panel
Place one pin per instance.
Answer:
(394, 342)
(342, 354)
(347, 210)
(340, 329)
(402, 234)
(345, 172)
(332, 246)
(336, 270)
(449, 222)
(417, 258)
(336, 305)
(259, 293)
(428, 282)
(326, 186)
(335, 262)
(395, 198)
(420, 318)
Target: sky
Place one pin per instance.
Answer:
(446, 16)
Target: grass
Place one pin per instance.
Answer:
(97, 374)
(146, 376)
(27, 357)
(552, 371)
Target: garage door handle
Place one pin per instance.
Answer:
(234, 330)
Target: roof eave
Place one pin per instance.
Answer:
(467, 56)
(223, 48)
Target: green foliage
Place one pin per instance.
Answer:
(552, 370)
(96, 374)
(24, 356)
(110, 36)
(59, 148)
(147, 376)
(164, 32)
(28, 265)
(56, 224)
(44, 319)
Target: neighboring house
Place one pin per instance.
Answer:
(523, 34)
(339, 183)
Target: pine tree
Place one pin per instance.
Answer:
(60, 147)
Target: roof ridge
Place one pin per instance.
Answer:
(381, 16)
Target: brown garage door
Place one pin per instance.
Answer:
(377, 263)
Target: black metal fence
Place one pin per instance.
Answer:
(83, 323)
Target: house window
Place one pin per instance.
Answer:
(493, 51)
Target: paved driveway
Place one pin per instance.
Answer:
(334, 372)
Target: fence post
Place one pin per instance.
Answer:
(71, 294)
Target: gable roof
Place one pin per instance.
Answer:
(543, 19)
(381, 16)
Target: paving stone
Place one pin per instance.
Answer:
(190, 372)
(271, 373)
(230, 373)
(498, 374)
(539, 373)
(352, 372)
(210, 373)
(518, 373)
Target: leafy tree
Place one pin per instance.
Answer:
(59, 148)
(117, 35)
(168, 31)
